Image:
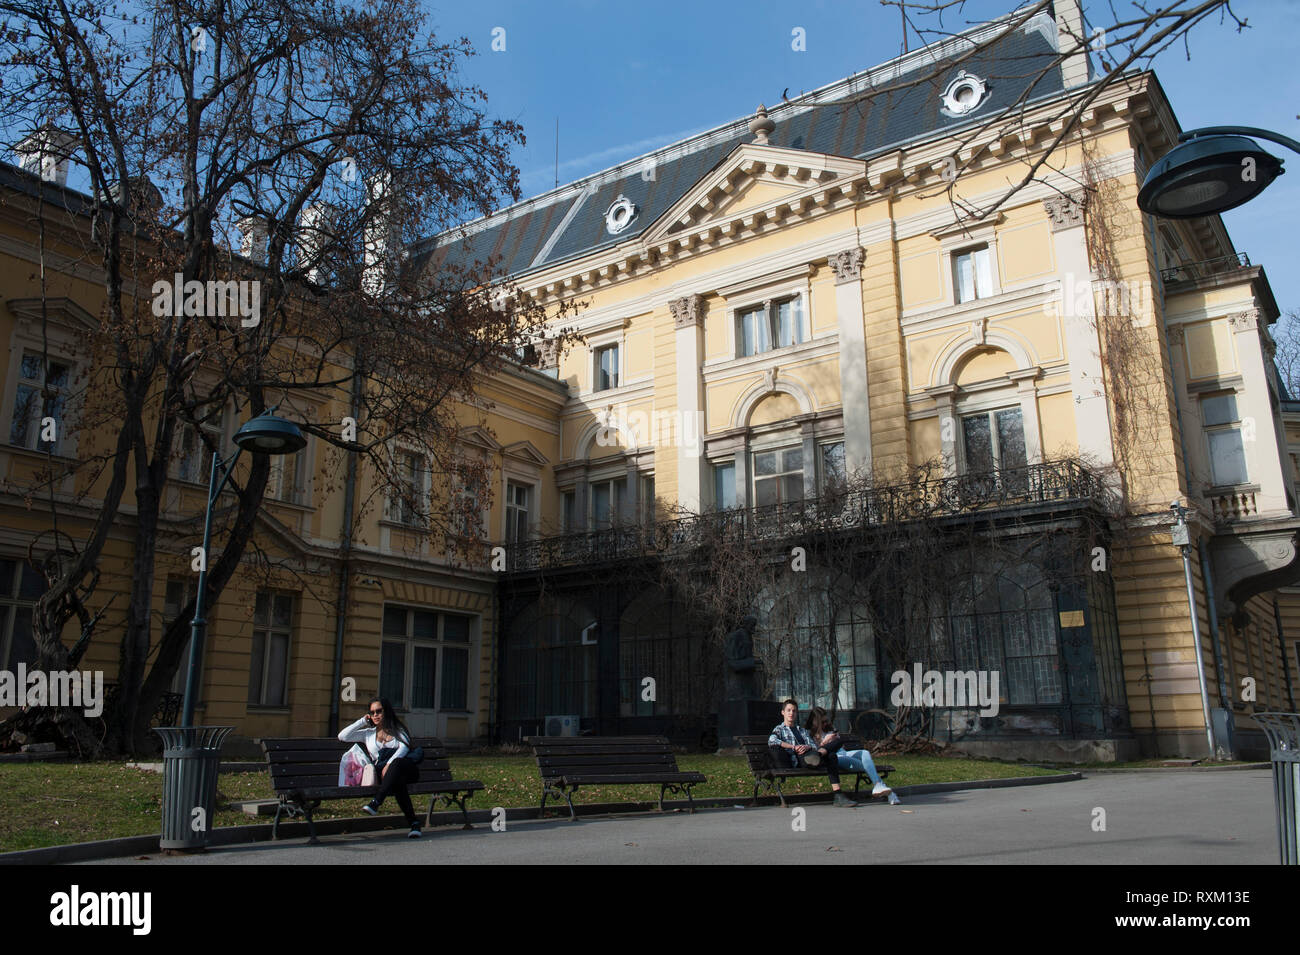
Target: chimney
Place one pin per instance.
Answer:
(46, 152)
(1071, 42)
(315, 232)
(253, 234)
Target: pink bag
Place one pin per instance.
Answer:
(355, 769)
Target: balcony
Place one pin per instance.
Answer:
(1205, 268)
(1059, 482)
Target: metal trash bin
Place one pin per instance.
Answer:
(191, 760)
(1283, 730)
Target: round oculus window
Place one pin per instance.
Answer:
(963, 94)
(620, 215)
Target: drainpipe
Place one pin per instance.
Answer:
(1281, 644)
(1181, 541)
(1215, 638)
(345, 555)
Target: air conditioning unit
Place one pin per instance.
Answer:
(562, 725)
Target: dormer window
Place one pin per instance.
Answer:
(964, 94)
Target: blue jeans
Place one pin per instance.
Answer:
(858, 761)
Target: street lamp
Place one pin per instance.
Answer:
(1212, 169)
(265, 434)
(1181, 539)
(192, 754)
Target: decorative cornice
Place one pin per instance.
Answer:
(1066, 210)
(1244, 321)
(847, 265)
(686, 310)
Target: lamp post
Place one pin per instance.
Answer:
(192, 754)
(1182, 540)
(1212, 169)
(265, 434)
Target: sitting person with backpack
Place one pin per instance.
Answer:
(823, 732)
(387, 742)
(793, 746)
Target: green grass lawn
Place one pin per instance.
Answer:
(50, 804)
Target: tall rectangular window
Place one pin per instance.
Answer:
(569, 512)
(724, 485)
(1223, 433)
(412, 493)
(833, 475)
(193, 461)
(424, 659)
(647, 499)
(776, 323)
(607, 502)
(606, 368)
(268, 670)
(778, 476)
(994, 440)
(518, 511)
(42, 393)
(20, 588)
(972, 274)
(287, 481)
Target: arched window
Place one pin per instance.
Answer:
(662, 639)
(550, 662)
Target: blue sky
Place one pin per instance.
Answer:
(624, 78)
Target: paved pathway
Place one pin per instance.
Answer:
(1214, 818)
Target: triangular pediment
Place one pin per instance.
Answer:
(479, 436)
(525, 451)
(753, 180)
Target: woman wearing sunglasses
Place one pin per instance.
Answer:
(387, 742)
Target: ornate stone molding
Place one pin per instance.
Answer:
(847, 265)
(1177, 334)
(1244, 321)
(1066, 211)
(548, 353)
(686, 310)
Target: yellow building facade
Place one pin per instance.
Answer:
(766, 310)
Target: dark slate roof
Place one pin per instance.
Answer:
(836, 120)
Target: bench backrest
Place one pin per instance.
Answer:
(604, 755)
(756, 752)
(314, 763)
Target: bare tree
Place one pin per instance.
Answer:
(337, 137)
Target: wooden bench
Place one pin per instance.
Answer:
(569, 762)
(765, 774)
(305, 772)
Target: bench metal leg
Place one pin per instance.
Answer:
(568, 797)
(459, 800)
(677, 788)
(275, 826)
(776, 780)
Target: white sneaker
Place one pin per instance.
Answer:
(880, 789)
(414, 833)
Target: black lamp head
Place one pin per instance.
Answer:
(267, 434)
(1207, 175)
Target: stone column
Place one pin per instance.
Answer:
(1091, 410)
(847, 266)
(1258, 434)
(687, 318)
(945, 398)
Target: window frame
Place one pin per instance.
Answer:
(954, 259)
(37, 414)
(270, 629)
(769, 307)
(420, 490)
(11, 602)
(995, 440)
(597, 367)
(510, 512)
(1232, 426)
(439, 642)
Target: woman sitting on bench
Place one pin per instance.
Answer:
(849, 760)
(387, 741)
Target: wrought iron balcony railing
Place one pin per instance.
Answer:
(1205, 268)
(1060, 481)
